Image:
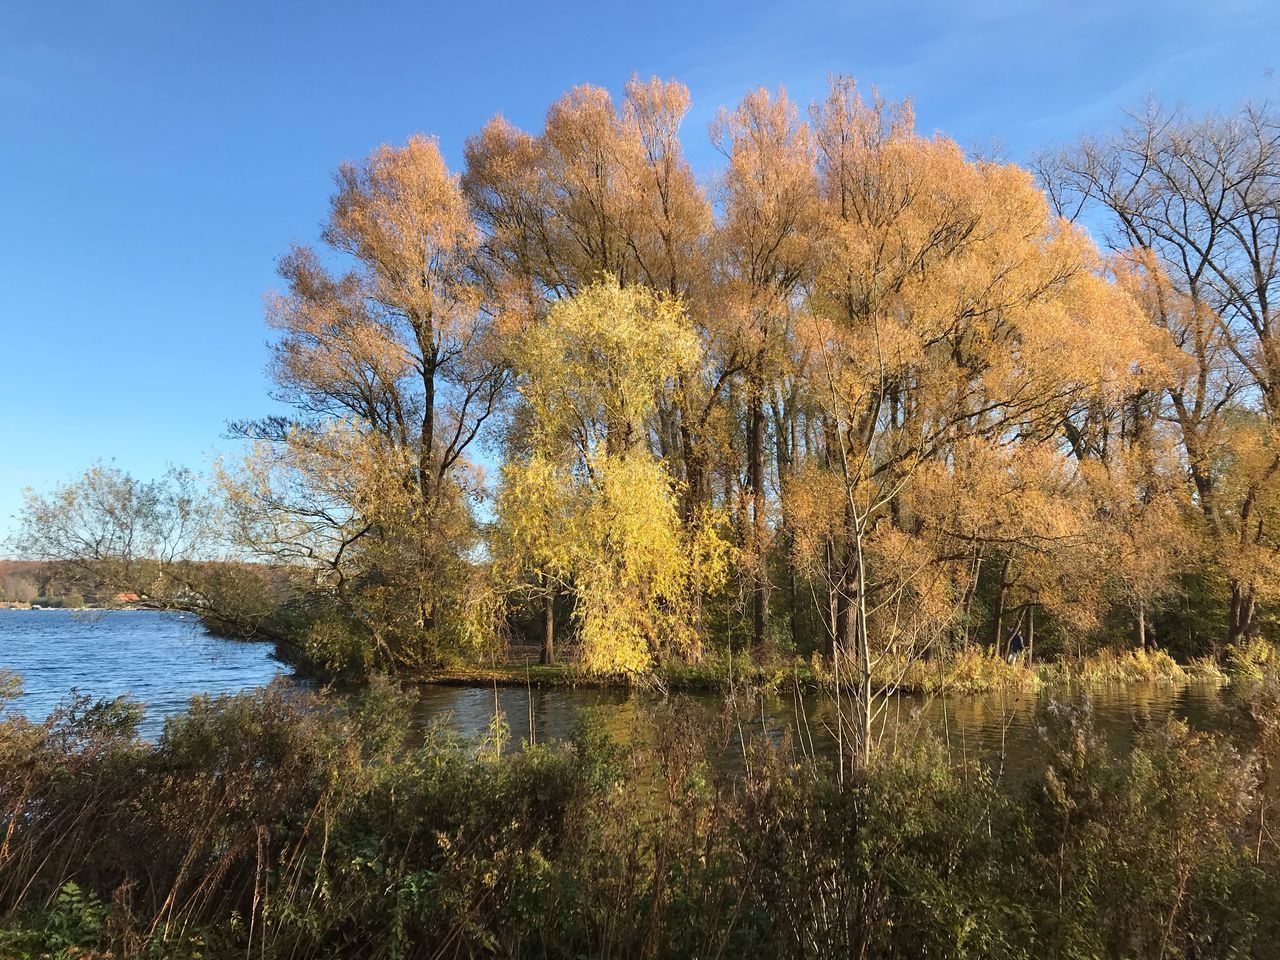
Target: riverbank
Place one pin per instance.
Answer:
(969, 673)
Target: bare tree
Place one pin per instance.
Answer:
(1193, 204)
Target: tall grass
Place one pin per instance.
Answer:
(1109, 667)
(976, 671)
(1252, 661)
(968, 671)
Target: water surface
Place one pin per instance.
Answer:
(1006, 731)
(163, 659)
(160, 658)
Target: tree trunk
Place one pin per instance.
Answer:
(755, 480)
(844, 589)
(786, 447)
(1031, 633)
(997, 638)
(548, 623)
(695, 497)
(832, 616)
(1240, 613)
(970, 591)
(793, 605)
(865, 706)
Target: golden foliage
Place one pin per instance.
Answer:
(590, 507)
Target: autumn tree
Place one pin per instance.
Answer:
(1191, 204)
(950, 307)
(1146, 534)
(586, 503)
(17, 588)
(768, 208)
(606, 190)
(113, 533)
(391, 373)
(162, 543)
(906, 387)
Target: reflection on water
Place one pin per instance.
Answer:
(162, 659)
(1003, 730)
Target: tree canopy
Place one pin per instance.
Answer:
(857, 394)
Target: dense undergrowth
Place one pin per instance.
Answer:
(281, 824)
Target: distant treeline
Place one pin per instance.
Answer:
(24, 582)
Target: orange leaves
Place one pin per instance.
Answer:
(600, 191)
(903, 344)
(768, 191)
(1184, 335)
(957, 272)
(403, 215)
(400, 207)
(815, 512)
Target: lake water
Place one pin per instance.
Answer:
(1005, 731)
(163, 659)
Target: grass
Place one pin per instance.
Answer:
(1109, 668)
(711, 675)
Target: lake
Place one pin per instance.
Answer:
(163, 659)
(1003, 730)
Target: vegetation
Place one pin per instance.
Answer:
(24, 584)
(284, 825)
(860, 396)
(962, 673)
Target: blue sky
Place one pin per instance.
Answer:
(158, 156)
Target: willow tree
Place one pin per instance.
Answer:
(601, 190)
(586, 503)
(390, 371)
(605, 189)
(160, 543)
(950, 307)
(110, 533)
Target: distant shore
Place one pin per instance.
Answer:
(17, 605)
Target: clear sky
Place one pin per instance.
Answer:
(156, 156)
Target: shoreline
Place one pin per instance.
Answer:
(965, 675)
